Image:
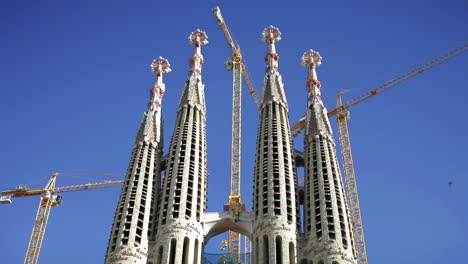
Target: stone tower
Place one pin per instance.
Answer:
(134, 216)
(179, 237)
(274, 227)
(327, 227)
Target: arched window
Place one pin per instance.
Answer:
(256, 250)
(185, 251)
(195, 259)
(279, 251)
(266, 252)
(173, 250)
(292, 253)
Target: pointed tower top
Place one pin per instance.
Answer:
(271, 35)
(312, 59)
(197, 39)
(193, 91)
(159, 67)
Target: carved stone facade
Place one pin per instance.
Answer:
(275, 205)
(163, 220)
(134, 216)
(328, 238)
(179, 236)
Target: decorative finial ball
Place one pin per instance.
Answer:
(198, 38)
(271, 34)
(160, 65)
(311, 57)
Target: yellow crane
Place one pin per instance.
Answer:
(51, 197)
(239, 70)
(345, 144)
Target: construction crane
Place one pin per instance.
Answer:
(51, 197)
(237, 65)
(345, 144)
(236, 53)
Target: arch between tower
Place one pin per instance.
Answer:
(220, 222)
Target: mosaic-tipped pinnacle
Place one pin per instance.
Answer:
(311, 57)
(271, 34)
(160, 66)
(198, 37)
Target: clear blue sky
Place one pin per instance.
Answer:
(75, 79)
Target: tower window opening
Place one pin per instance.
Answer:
(279, 251)
(185, 250)
(195, 257)
(292, 255)
(160, 255)
(172, 253)
(266, 250)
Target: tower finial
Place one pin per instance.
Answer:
(159, 67)
(271, 35)
(197, 39)
(312, 59)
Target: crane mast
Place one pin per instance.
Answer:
(345, 144)
(235, 203)
(50, 199)
(236, 51)
(351, 185)
(239, 70)
(40, 224)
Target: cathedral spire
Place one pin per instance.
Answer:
(197, 39)
(159, 67)
(179, 230)
(193, 93)
(312, 59)
(317, 120)
(134, 217)
(275, 204)
(271, 35)
(151, 127)
(326, 223)
(273, 84)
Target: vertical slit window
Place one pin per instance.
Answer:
(185, 251)
(172, 253)
(279, 250)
